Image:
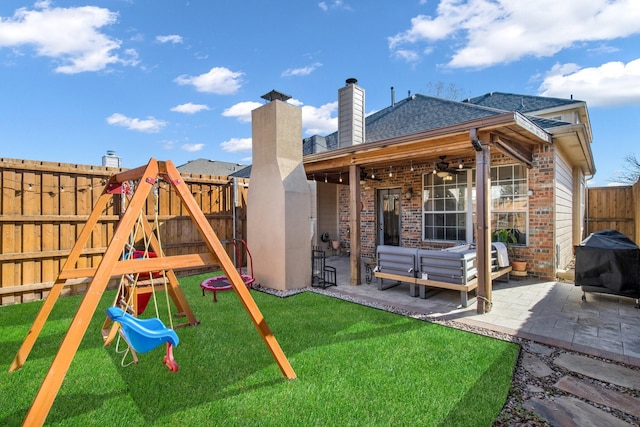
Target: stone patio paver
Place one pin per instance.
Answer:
(602, 395)
(535, 366)
(568, 411)
(600, 370)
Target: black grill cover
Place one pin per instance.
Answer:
(609, 262)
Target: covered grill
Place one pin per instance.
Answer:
(608, 262)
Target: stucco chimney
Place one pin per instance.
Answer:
(279, 202)
(350, 114)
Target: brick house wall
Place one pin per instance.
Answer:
(539, 254)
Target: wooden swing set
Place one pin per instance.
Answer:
(112, 265)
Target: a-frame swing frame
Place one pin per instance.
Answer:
(111, 265)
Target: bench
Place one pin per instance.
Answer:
(452, 269)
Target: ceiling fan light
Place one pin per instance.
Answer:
(443, 174)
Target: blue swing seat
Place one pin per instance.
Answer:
(142, 335)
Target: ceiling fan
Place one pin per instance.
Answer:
(443, 170)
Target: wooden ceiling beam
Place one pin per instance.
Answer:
(384, 156)
(513, 149)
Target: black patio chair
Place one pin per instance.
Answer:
(322, 275)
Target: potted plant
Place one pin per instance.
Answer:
(508, 237)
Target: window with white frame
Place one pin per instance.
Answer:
(445, 207)
(448, 216)
(510, 200)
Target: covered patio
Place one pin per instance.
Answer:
(547, 312)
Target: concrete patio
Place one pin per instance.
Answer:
(547, 312)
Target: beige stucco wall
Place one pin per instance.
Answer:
(279, 206)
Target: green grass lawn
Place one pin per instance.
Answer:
(356, 366)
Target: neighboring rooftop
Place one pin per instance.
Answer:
(213, 167)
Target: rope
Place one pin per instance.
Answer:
(486, 301)
(124, 353)
(156, 224)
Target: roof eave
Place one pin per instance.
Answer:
(582, 154)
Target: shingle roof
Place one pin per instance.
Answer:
(243, 173)
(211, 167)
(419, 113)
(544, 123)
(520, 103)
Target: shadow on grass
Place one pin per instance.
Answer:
(73, 405)
(502, 364)
(225, 349)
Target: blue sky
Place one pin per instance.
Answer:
(177, 80)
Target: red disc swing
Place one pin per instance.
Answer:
(222, 283)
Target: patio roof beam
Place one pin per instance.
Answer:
(392, 154)
(513, 149)
(481, 145)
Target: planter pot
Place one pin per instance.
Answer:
(519, 265)
(335, 244)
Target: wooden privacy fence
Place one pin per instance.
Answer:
(44, 205)
(616, 208)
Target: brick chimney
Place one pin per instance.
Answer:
(351, 114)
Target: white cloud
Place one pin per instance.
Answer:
(295, 102)
(69, 35)
(407, 55)
(303, 71)
(319, 120)
(502, 31)
(192, 147)
(218, 80)
(172, 38)
(236, 144)
(189, 108)
(613, 83)
(335, 4)
(242, 110)
(148, 125)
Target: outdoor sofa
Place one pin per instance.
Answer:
(433, 269)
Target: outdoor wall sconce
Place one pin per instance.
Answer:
(408, 194)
